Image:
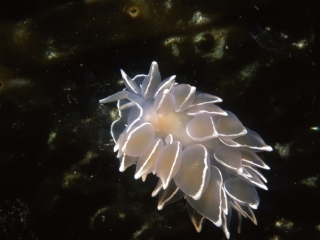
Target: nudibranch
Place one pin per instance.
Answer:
(198, 151)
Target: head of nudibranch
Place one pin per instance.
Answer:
(199, 151)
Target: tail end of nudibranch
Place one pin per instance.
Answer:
(122, 95)
(115, 97)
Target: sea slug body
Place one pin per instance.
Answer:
(199, 151)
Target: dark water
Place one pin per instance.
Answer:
(59, 177)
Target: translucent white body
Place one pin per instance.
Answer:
(197, 150)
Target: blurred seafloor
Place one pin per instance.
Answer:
(59, 177)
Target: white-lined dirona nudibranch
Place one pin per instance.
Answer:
(197, 150)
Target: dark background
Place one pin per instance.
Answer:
(59, 177)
